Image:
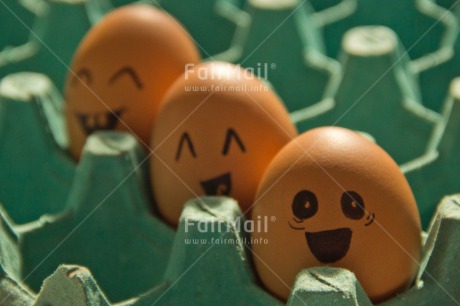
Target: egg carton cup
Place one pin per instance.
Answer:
(291, 44)
(17, 34)
(435, 28)
(281, 42)
(205, 273)
(375, 93)
(435, 173)
(211, 23)
(36, 173)
(106, 225)
(53, 37)
(52, 221)
(60, 205)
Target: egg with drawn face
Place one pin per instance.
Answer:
(122, 70)
(341, 201)
(216, 131)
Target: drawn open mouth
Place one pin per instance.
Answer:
(99, 121)
(329, 246)
(221, 185)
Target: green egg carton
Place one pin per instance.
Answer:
(436, 174)
(423, 26)
(375, 93)
(281, 42)
(203, 270)
(106, 224)
(448, 4)
(118, 3)
(88, 234)
(436, 81)
(53, 38)
(36, 174)
(211, 23)
(13, 16)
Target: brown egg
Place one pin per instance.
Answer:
(122, 70)
(215, 133)
(341, 201)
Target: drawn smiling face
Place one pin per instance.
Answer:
(217, 144)
(109, 118)
(220, 185)
(121, 72)
(331, 245)
(344, 204)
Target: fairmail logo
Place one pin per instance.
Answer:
(259, 225)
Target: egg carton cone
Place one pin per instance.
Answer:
(211, 23)
(107, 224)
(435, 82)
(12, 292)
(60, 246)
(376, 93)
(205, 267)
(281, 42)
(435, 174)
(12, 17)
(36, 174)
(53, 39)
(421, 24)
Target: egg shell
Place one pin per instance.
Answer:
(235, 125)
(380, 242)
(121, 71)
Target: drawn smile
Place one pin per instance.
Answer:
(329, 246)
(220, 185)
(99, 121)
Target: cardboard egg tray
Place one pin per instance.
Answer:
(86, 233)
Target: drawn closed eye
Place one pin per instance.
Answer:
(128, 71)
(232, 135)
(82, 76)
(185, 138)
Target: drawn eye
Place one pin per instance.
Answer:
(83, 75)
(185, 138)
(231, 134)
(128, 71)
(352, 205)
(304, 205)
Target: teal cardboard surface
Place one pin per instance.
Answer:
(107, 225)
(13, 16)
(436, 81)
(436, 283)
(87, 233)
(12, 293)
(50, 48)
(377, 94)
(436, 174)
(282, 43)
(35, 173)
(327, 286)
(203, 270)
(211, 23)
(71, 286)
(417, 26)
